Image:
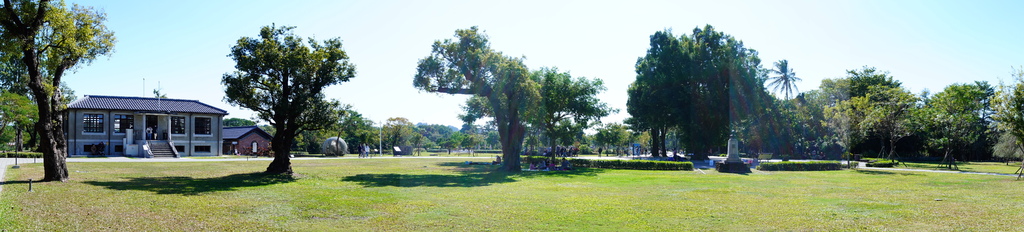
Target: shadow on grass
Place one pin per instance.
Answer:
(468, 176)
(191, 186)
(872, 172)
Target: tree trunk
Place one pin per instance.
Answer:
(511, 143)
(664, 144)
(281, 146)
(52, 143)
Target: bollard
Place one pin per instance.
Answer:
(29, 185)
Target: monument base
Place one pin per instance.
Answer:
(732, 167)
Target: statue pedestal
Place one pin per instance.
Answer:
(733, 163)
(732, 167)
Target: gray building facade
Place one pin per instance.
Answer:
(143, 127)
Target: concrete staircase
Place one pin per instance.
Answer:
(162, 149)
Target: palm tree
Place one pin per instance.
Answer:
(786, 79)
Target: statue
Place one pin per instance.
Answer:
(733, 163)
(335, 146)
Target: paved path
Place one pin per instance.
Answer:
(4, 165)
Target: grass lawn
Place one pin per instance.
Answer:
(444, 194)
(990, 167)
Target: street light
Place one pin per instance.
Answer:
(380, 139)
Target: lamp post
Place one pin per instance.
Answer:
(380, 140)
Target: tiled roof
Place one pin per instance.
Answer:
(240, 131)
(144, 104)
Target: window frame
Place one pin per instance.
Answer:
(208, 126)
(209, 149)
(91, 124)
(119, 124)
(178, 123)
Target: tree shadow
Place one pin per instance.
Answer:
(468, 176)
(191, 186)
(872, 172)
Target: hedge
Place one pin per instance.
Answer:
(882, 164)
(801, 166)
(21, 155)
(621, 164)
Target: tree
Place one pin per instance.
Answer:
(158, 94)
(568, 106)
(612, 135)
(955, 120)
(843, 120)
(786, 79)
(468, 65)
(232, 122)
(48, 39)
(702, 84)
(398, 132)
(1007, 149)
(888, 114)
(281, 78)
(16, 112)
(862, 80)
(1009, 110)
(355, 129)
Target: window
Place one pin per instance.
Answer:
(202, 126)
(202, 148)
(177, 125)
(93, 123)
(180, 149)
(122, 122)
(255, 147)
(118, 148)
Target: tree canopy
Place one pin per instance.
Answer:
(41, 41)
(281, 77)
(468, 65)
(701, 84)
(568, 105)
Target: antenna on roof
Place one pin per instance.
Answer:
(143, 87)
(158, 97)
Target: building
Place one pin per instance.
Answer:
(246, 140)
(143, 127)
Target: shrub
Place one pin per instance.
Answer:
(488, 151)
(24, 154)
(621, 164)
(882, 164)
(586, 150)
(801, 166)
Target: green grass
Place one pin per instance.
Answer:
(445, 195)
(989, 167)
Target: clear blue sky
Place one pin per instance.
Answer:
(183, 45)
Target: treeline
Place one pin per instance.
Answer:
(693, 91)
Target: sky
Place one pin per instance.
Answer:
(181, 47)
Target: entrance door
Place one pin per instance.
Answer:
(151, 126)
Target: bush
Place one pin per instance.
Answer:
(586, 150)
(801, 166)
(488, 151)
(621, 164)
(24, 154)
(882, 164)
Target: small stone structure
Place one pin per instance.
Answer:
(335, 146)
(733, 163)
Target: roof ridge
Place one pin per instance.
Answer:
(143, 98)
